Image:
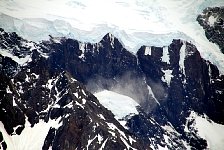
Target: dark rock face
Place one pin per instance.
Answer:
(191, 86)
(40, 93)
(56, 84)
(100, 59)
(212, 20)
(105, 65)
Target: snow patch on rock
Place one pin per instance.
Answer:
(31, 137)
(148, 51)
(20, 61)
(208, 130)
(120, 105)
(166, 57)
(167, 76)
(182, 57)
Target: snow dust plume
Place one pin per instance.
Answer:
(132, 86)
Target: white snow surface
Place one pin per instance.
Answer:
(20, 61)
(209, 130)
(166, 55)
(120, 105)
(167, 76)
(212, 20)
(152, 94)
(148, 51)
(182, 57)
(31, 137)
(134, 22)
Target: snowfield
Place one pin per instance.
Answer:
(20, 61)
(31, 137)
(134, 22)
(208, 130)
(120, 105)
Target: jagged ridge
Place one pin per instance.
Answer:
(159, 78)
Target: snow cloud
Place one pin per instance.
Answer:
(130, 85)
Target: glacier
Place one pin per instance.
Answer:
(135, 23)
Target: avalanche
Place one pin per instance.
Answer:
(120, 105)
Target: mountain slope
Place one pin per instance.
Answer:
(55, 84)
(33, 97)
(211, 19)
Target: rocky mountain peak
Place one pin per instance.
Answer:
(53, 88)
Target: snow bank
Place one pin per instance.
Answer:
(20, 61)
(120, 105)
(31, 137)
(209, 130)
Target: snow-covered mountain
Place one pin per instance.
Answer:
(46, 108)
(157, 98)
(111, 74)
